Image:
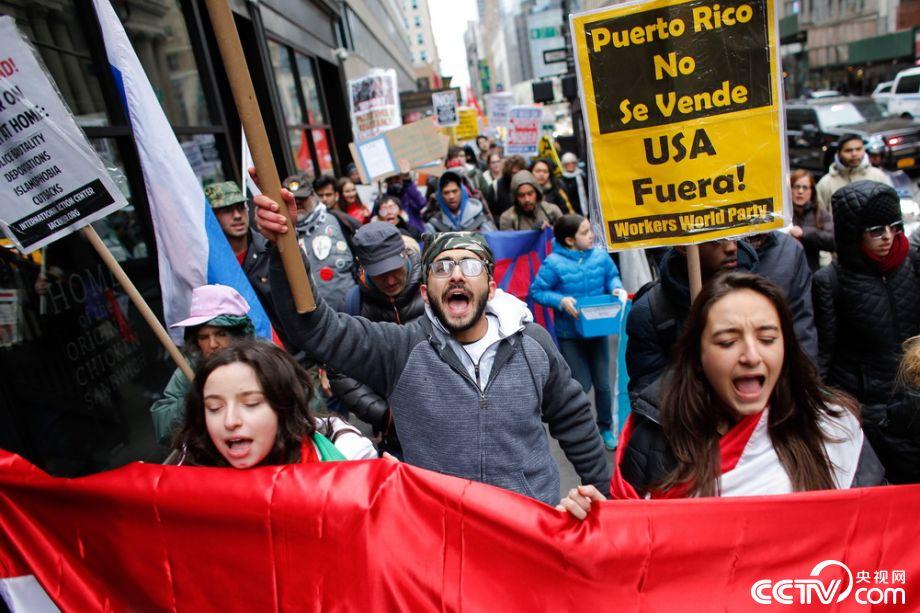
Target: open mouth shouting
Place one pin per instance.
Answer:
(749, 388)
(238, 447)
(458, 301)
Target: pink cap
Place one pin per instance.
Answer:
(210, 301)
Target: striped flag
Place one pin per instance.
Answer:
(191, 247)
(518, 256)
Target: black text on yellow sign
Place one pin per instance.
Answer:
(683, 109)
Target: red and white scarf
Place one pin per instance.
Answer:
(750, 466)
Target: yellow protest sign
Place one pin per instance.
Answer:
(468, 128)
(548, 151)
(684, 111)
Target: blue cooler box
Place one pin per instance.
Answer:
(598, 316)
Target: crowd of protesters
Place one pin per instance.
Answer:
(792, 357)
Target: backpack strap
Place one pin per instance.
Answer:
(353, 301)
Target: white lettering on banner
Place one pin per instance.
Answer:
(814, 590)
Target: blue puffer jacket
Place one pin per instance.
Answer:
(569, 272)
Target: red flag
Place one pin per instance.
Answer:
(382, 536)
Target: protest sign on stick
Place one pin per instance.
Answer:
(524, 135)
(231, 52)
(444, 105)
(468, 126)
(55, 182)
(374, 103)
(416, 145)
(684, 111)
(498, 109)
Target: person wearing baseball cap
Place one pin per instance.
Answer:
(218, 315)
(388, 276)
(231, 208)
(324, 236)
(471, 383)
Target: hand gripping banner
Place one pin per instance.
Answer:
(381, 536)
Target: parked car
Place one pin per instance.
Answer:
(813, 127)
(882, 93)
(905, 97)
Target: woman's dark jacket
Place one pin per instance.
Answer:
(814, 239)
(863, 316)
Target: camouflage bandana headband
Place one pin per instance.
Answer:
(471, 241)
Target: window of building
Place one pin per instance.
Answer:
(81, 368)
(420, 39)
(414, 5)
(309, 134)
(423, 56)
(418, 21)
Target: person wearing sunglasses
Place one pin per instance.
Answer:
(867, 303)
(471, 383)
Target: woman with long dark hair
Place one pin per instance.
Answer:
(811, 225)
(250, 406)
(543, 170)
(740, 412)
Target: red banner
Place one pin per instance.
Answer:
(379, 536)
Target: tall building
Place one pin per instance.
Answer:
(421, 36)
(479, 79)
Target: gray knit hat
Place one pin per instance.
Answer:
(525, 177)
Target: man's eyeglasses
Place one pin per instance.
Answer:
(878, 232)
(470, 267)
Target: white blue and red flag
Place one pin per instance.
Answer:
(191, 247)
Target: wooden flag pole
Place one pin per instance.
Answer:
(90, 233)
(231, 51)
(693, 271)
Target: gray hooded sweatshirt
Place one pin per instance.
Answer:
(489, 431)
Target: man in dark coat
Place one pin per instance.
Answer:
(782, 259)
(388, 277)
(660, 308)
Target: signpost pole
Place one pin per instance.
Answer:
(231, 51)
(693, 271)
(90, 233)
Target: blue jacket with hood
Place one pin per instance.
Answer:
(470, 217)
(570, 272)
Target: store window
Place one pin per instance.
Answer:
(80, 367)
(309, 134)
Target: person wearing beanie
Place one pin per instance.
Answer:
(458, 211)
(471, 383)
(851, 163)
(530, 211)
(388, 276)
(575, 184)
(867, 303)
(218, 315)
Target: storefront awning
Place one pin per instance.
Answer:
(884, 47)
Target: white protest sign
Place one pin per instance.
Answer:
(524, 136)
(445, 108)
(51, 180)
(498, 109)
(374, 102)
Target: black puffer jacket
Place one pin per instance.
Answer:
(894, 429)
(863, 316)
